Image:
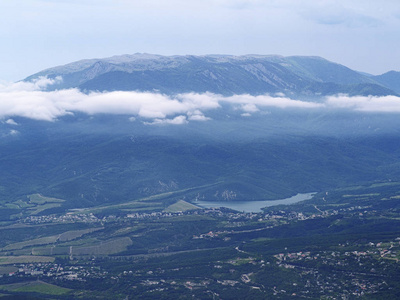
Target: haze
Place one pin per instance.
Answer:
(38, 34)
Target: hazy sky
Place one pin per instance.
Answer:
(38, 34)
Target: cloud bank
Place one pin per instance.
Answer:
(386, 104)
(27, 99)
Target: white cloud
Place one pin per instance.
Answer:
(179, 120)
(198, 118)
(14, 132)
(386, 104)
(250, 102)
(197, 115)
(27, 100)
(250, 108)
(36, 84)
(11, 122)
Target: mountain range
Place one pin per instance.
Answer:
(300, 76)
(96, 157)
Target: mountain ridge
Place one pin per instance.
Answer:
(303, 76)
(390, 79)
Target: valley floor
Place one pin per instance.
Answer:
(341, 244)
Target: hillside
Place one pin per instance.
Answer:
(390, 79)
(97, 160)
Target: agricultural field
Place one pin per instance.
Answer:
(32, 205)
(181, 206)
(24, 259)
(37, 287)
(63, 237)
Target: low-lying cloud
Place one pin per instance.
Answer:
(385, 104)
(28, 99)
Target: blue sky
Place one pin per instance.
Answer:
(38, 34)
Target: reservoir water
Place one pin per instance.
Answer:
(253, 206)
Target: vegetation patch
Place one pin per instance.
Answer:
(73, 234)
(143, 209)
(23, 259)
(66, 236)
(104, 248)
(33, 205)
(39, 241)
(7, 270)
(12, 206)
(140, 203)
(93, 247)
(363, 195)
(36, 287)
(181, 205)
(39, 199)
(22, 204)
(38, 209)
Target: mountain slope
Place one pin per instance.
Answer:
(222, 74)
(390, 79)
(102, 160)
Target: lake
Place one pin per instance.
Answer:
(253, 206)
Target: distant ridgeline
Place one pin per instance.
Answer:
(299, 76)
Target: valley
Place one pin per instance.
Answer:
(340, 243)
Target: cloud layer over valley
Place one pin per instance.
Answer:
(29, 100)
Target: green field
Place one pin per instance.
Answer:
(39, 241)
(7, 270)
(74, 234)
(23, 259)
(35, 287)
(64, 237)
(42, 207)
(34, 204)
(39, 199)
(362, 195)
(146, 203)
(90, 247)
(181, 206)
(103, 248)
